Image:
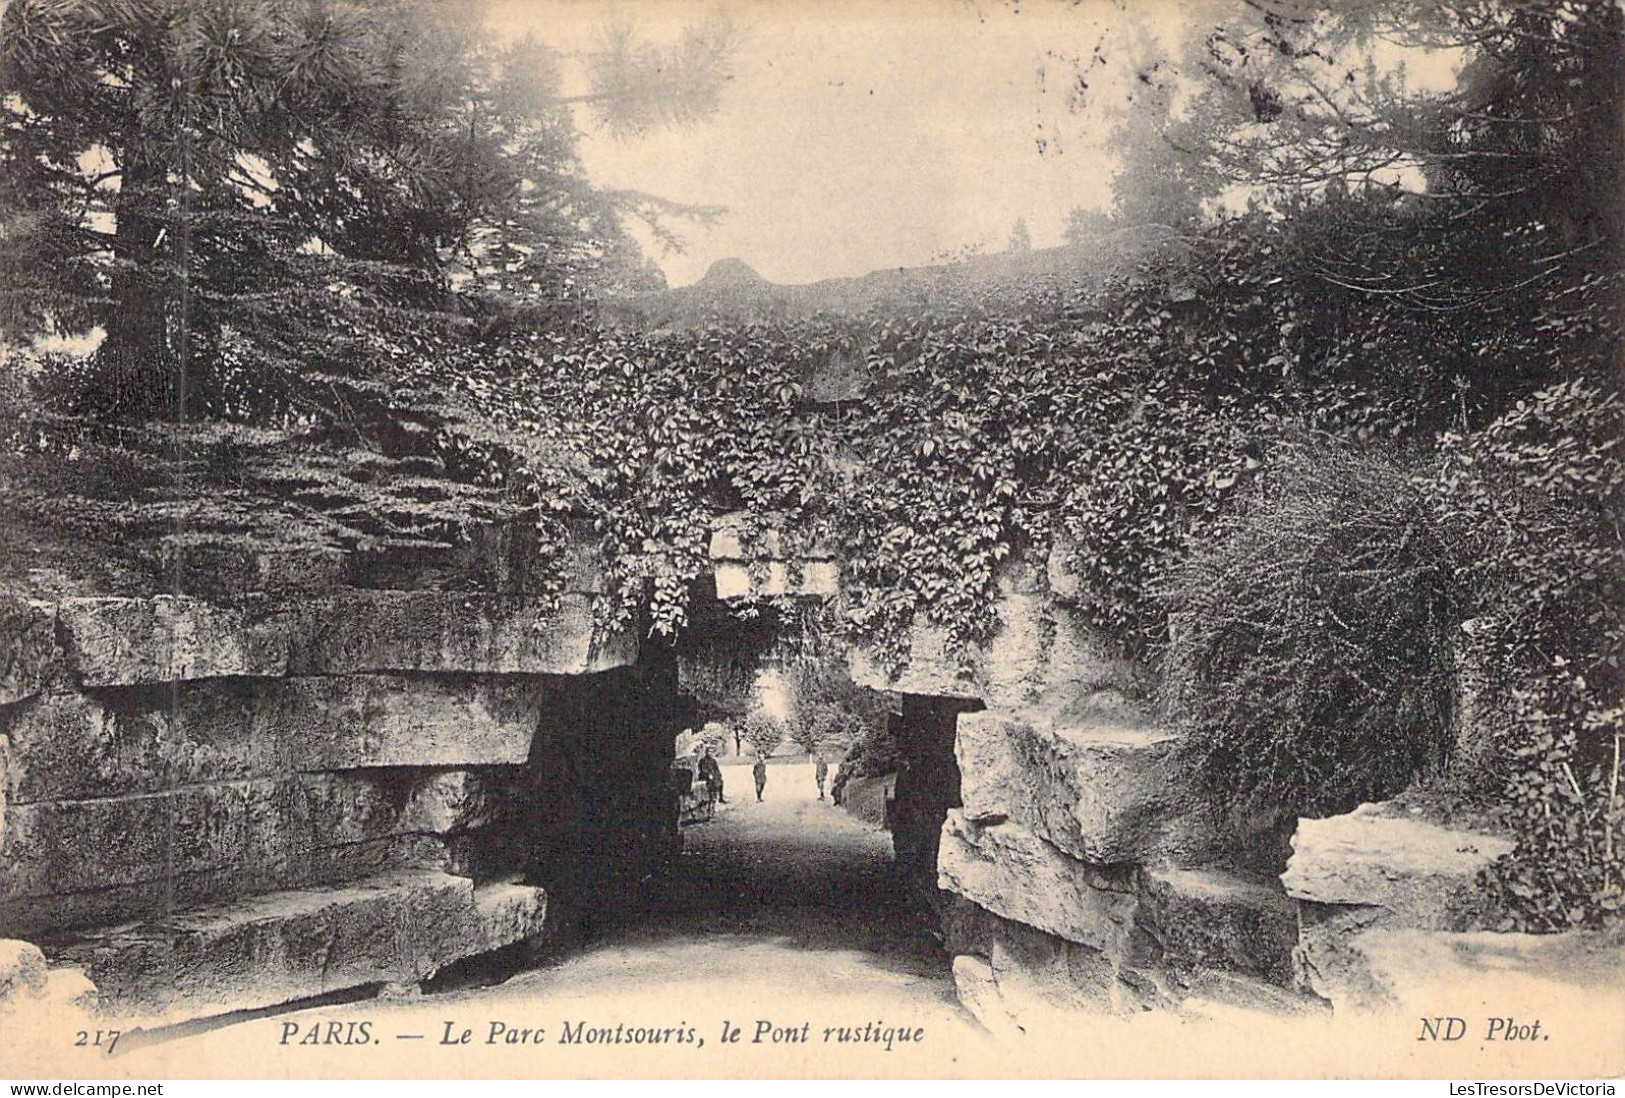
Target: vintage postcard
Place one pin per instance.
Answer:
(723, 539)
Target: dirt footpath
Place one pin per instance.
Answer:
(781, 926)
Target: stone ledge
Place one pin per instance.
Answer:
(28, 654)
(126, 641)
(278, 947)
(135, 641)
(1014, 977)
(126, 741)
(253, 830)
(1102, 795)
(1420, 874)
(1431, 972)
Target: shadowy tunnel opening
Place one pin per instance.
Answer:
(853, 868)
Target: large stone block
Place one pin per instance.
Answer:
(274, 948)
(269, 867)
(122, 741)
(73, 846)
(1419, 874)
(1100, 793)
(128, 641)
(350, 721)
(444, 631)
(1012, 872)
(76, 746)
(225, 835)
(28, 650)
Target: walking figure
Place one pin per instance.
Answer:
(759, 771)
(821, 773)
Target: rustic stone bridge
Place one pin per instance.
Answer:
(343, 776)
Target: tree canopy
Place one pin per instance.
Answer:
(1491, 117)
(257, 202)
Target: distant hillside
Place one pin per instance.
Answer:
(732, 292)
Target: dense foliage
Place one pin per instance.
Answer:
(1538, 497)
(351, 276)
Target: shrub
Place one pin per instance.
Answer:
(1310, 657)
(716, 736)
(874, 753)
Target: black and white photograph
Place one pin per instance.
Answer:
(812, 539)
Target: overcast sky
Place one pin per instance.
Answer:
(856, 136)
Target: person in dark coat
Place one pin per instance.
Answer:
(821, 775)
(760, 773)
(711, 775)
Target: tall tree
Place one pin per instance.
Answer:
(1501, 118)
(1020, 239)
(234, 191)
(1085, 224)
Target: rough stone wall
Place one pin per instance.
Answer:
(232, 801)
(1083, 868)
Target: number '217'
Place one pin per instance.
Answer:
(101, 1038)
